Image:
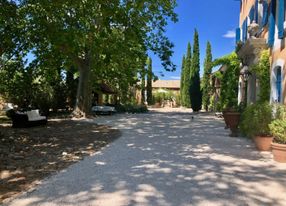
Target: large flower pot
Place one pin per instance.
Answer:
(279, 152)
(232, 121)
(263, 143)
(225, 120)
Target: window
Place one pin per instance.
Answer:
(278, 84)
(285, 9)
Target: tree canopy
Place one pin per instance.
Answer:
(104, 40)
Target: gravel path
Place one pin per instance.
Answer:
(167, 159)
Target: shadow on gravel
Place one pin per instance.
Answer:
(172, 160)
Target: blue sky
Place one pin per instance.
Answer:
(215, 21)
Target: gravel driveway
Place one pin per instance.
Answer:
(167, 159)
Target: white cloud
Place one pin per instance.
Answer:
(229, 34)
(175, 77)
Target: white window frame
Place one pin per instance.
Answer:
(274, 93)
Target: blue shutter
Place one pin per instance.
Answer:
(251, 14)
(238, 35)
(281, 16)
(272, 17)
(265, 14)
(256, 11)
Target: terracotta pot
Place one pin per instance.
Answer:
(232, 121)
(263, 143)
(279, 152)
(225, 120)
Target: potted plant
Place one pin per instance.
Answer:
(231, 115)
(228, 90)
(255, 123)
(278, 130)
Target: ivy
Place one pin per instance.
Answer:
(262, 72)
(229, 81)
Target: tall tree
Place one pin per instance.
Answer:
(182, 82)
(206, 87)
(187, 70)
(92, 35)
(149, 81)
(195, 86)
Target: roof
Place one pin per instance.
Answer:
(168, 84)
(104, 88)
(222, 68)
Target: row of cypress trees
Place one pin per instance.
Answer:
(193, 93)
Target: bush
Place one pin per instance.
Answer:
(280, 112)
(255, 120)
(131, 108)
(278, 126)
(168, 95)
(278, 130)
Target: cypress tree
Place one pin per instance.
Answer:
(149, 81)
(195, 87)
(187, 69)
(182, 82)
(206, 87)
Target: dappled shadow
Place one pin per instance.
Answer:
(28, 155)
(168, 159)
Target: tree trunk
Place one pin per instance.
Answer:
(83, 97)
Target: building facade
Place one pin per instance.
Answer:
(262, 26)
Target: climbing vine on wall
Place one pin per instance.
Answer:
(262, 71)
(229, 80)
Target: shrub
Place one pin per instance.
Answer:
(280, 112)
(131, 108)
(255, 120)
(278, 126)
(167, 95)
(278, 130)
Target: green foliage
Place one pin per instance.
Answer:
(131, 108)
(182, 81)
(149, 81)
(278, 125)
(206, 84)
(255, 120)
(229, 81)
(195, 85)
(168, 95)
(187, 69)
(278, 130)
(103, 40)
(280, 111)
(34, 86)
(263, 75)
